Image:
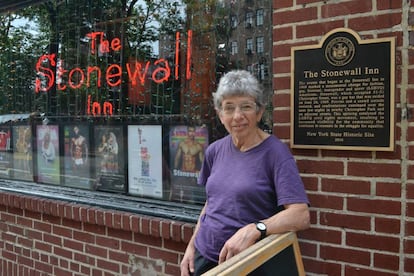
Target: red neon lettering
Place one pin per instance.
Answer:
(117, 74)
(88, 109)
(107, 106)
(93, 36)
(47, 72)
(164, 72)
(104, 45)
(96, 109)
(82, 78)
(116, 44)
(133, 75)
(177, 53)
(189, 53)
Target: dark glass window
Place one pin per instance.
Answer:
(115, 95)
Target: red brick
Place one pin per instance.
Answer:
(73, 245)
(134, 248)
(409, 228)
(387, 225)
(345, 8)
(318, 29)
(283, 132)
(84, 236)
(117, 220)
(382, 21)
(374, 206)
(321, 167)
(281, 100)
(282, 115)
(374, 170)
(107, 242)
(155, 227)
(167, 256)
(62, 252)
(281, 67)
(322, 267)
(126, 222)
(107, 265)
(346, 186)
(378, 242)
(342, 254)
(388, 5)
(345, 221)
(282, 33)
(278, 4)
(409, 264)
(322, 235)
(410, 209)
(358, 271)
(280, 83)
(326, 201)
(409, 246)
(62, 231)
(291, 16)
(96, 251)
(388, 189)
(93, 228)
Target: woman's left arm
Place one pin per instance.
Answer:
(294, 217)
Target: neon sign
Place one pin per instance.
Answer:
(78, 77)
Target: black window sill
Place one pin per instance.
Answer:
(150, 207)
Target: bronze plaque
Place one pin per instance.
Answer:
(343, 93)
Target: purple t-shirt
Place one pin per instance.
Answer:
(244, 187)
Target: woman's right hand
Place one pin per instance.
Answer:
(187, 264)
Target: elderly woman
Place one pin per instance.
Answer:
(252, 182)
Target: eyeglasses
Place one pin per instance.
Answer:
(245, 108)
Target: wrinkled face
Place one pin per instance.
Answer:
(240, 115)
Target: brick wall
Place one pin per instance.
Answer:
(48, 237)
(362, 202)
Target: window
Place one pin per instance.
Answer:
(249, 46)
(233, 21)
(249, 19)
(102, 97)
(260, 44)
(259, 17)
(234, 48)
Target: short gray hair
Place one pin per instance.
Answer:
(238, 83)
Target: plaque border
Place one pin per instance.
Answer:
(360, 41)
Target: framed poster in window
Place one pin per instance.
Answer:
(77, 170)
(109, 158)
(22, 152)
(187, 146)
(145, 160)
(48, 160)
(5, 151)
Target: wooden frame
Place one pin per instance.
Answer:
(259, 253)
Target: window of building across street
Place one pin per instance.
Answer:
(115, 96)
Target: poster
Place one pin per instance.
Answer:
(109, 158)
(48, 161)
(22, 152)
(76, 158)
(145, 160)
(187, 147)
(5, 151)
